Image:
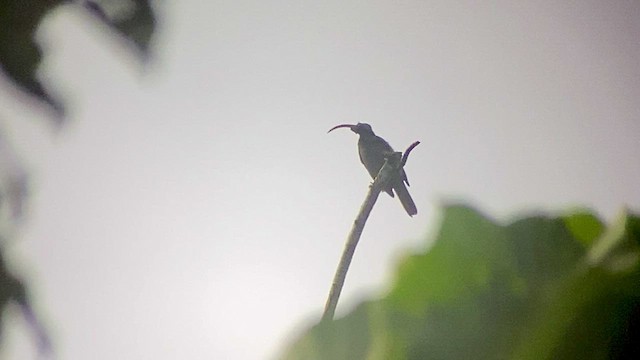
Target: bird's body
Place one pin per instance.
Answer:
(372, 150)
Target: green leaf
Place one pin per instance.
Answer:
(468, 249)
(584, 226)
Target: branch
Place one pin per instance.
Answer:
(392, 165)
(405, 157)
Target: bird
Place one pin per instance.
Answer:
(372, 150)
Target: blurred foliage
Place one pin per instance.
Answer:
(13, 192)
(539, 288)
(20, 54)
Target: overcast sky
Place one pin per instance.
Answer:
(198, 210)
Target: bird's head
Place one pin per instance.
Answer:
(359, 128)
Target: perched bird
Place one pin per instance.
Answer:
(372, 150)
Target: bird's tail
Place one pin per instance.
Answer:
(405, 198)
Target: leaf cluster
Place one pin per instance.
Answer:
(541, 287)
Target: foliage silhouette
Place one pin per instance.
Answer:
(20, 56)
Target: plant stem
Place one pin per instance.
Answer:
(388, 170)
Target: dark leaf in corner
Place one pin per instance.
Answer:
(20, 55)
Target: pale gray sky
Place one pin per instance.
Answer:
(199, 211)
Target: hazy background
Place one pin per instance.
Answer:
(199, 211)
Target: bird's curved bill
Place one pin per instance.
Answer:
(340, 126)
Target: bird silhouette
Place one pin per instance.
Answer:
(372, 150)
